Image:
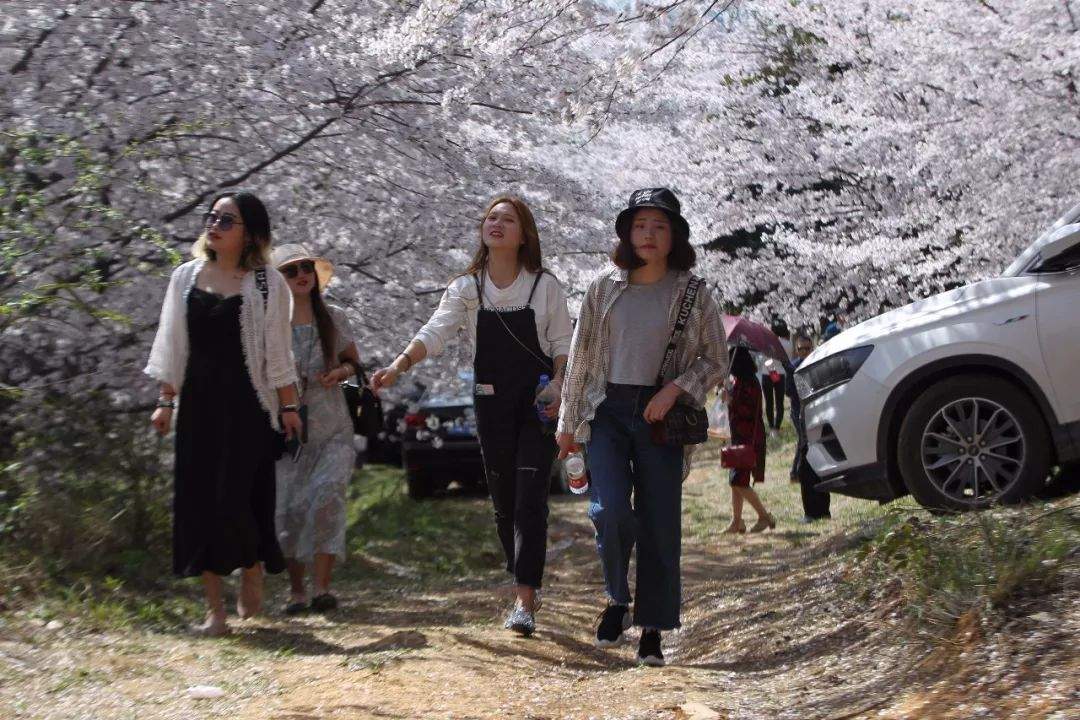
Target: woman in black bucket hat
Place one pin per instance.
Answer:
(620, 380)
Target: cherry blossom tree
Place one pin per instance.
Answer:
(847, 157)
(374, 131)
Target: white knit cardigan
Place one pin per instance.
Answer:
(266, 335)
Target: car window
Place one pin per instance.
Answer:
(1067, 260)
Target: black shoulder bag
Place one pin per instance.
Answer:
(684, 424)
(365, 408)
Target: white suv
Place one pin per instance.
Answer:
(963, 399)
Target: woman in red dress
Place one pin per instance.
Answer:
(747, 428)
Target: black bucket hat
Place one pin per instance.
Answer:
(661, 198)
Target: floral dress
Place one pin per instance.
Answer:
(311, 492)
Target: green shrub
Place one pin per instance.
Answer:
(939, 568)
(87, 490)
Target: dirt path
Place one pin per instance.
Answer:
(770, 631)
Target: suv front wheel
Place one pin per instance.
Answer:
(969, 442)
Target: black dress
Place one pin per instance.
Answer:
(223, 504)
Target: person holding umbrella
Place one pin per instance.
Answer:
(744, 415)
(748, 431)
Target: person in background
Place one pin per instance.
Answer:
(516, 317)
(832, 329)
(815, 504)
(223, 348)
(774, 380)
(311, 491)
(747, 428)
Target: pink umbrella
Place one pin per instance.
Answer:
(745, 332)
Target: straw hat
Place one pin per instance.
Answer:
(295, 252)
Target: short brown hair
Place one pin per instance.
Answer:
(681, 257)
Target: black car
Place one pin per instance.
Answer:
(439, 445)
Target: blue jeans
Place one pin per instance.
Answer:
(623, 459)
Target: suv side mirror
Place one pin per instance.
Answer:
(1061, 251)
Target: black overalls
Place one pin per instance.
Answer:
(517, 454)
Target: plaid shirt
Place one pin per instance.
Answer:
(701, 358)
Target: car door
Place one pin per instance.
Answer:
(1057, 303)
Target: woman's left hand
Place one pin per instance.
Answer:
(551, 412)
(334, 377)
(662, 402)
(291, 424)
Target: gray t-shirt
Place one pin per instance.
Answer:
(640, 331)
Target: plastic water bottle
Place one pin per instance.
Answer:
(576, 477)
(546, 393)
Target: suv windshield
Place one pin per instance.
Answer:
(1023, 262)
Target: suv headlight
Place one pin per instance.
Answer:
(831, 372)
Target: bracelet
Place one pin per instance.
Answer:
(406, 356)
(166, 403)
(290, 408)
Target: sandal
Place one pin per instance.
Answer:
(324, 603)
(737, 527)
(296, 607)
(249, 601)
(764, 523)
(210, 628)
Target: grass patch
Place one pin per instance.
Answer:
(98, 603)
(939, 568)
(707, 500)
(445, 538)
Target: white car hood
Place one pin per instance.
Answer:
(937, 309)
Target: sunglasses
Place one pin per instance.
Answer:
(291, 271)
(224, 221)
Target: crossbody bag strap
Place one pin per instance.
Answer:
(260, 282)
(685, 305)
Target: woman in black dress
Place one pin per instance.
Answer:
(224, 340)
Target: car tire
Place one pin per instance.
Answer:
(419, 483)
(1005, 459)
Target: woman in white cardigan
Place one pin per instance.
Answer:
(224, 349)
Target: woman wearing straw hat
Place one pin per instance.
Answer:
(311, 488)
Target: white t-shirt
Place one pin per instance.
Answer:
(460, 304)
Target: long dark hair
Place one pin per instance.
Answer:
(528, 254)
(743, 366)
(256, 219)
(325, 325)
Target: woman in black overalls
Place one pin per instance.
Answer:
(517, 318)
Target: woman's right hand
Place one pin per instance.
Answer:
(384, 378)
(567, 444)
(162, 420)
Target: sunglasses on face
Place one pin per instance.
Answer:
(291, 271)
(224, 221)
(804, 349)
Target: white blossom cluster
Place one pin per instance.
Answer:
(846, 157)
(374, 131)
(839, 157)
